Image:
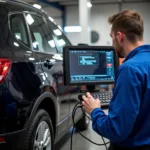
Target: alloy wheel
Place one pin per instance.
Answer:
(42, 140)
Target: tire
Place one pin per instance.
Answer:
(41, 125)
(83, 123)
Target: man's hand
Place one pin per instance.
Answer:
(89, 103)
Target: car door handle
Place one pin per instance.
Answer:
(48, 64)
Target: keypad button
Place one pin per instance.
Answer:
(104, 97)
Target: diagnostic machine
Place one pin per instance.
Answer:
(90, 65)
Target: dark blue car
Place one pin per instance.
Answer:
(35, 106)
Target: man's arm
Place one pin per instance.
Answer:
(123, 110)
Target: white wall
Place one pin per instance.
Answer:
(144, 10)
(72, 19)
(99, 23)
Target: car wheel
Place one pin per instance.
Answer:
(40, 135)
(83, 123)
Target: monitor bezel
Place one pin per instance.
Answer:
(66, 64)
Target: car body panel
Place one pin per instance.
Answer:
(31, 80)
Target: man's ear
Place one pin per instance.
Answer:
(120, 36)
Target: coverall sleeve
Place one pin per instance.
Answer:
(123, 109)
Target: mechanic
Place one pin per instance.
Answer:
(127, 124)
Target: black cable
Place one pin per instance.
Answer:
(75, 108)
(73, 115)
(72, 136)
(104, 143)
(91, 120)
(86, 114)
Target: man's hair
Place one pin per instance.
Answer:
(130, 23)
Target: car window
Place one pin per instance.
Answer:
(59, 37)
(42, 39)
(18, 27)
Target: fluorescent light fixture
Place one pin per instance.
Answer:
(44, 74)
(60, 27)
(30, 20)
(31, 58)
(72, 29)
(18, 37)
(51, 43)
(16, 44)
(35, 44)
(61, 42)
(51, 19)
(89, 4)
(44, 78)
(57, 32)
(37, 6)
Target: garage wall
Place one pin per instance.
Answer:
(72, 19)
(144, 10)
(99, 16)
(99, 22)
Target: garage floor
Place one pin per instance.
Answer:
(81, 143)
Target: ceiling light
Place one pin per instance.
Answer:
(57, 32)
(51, 43)
(73, 29)
(16, 44)
(89, 4)
(30, 20)
(61, 42)
(51, 19)
(35, 44)
(31, 58)
(37, 6)
(18, 37)
(60, 27)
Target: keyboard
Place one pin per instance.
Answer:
(104, 97)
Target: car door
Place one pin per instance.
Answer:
(24, 82)
(51, 64)
(23, 58)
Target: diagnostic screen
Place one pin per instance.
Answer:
(91, 65)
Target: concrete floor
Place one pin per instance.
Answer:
(79, 143)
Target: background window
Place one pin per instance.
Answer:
(42, 39)
(18, 28)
